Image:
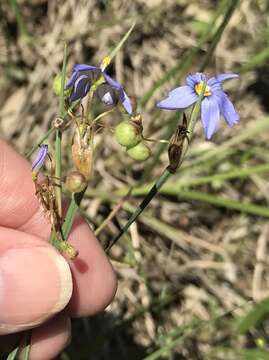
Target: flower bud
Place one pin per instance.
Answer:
(68, 250)
(75, 182)
(128, 133)
(39, 160)
(140, 152)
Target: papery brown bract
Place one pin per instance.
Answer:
(83, 159)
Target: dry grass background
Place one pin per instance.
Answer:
(187, 268)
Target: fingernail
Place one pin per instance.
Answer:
(35, 283)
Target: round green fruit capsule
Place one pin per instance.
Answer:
(127, 133)
(56, 85)
(75, 182)
(140, 152)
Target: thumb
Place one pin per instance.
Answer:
(35, 281)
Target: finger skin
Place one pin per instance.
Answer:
(94, 280)
(18, 203)
(35, 281)
(49, 339)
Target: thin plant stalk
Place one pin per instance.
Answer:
(58, 140)
(49, 132)
(20, 22)
(71, 213)
(116, 49)
(165, 175)
(186, 60)
(231, 6)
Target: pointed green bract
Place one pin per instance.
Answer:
(107, 60)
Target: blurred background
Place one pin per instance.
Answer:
(193, 267)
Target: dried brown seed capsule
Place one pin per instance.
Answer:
(176, 145)
(82, 159)
(57, 123)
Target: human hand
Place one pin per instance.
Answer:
(36, 283)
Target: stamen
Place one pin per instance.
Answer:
(107, 99)
(106, 61)
(199, 87)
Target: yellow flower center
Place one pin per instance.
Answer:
(199, 87)
(106, 61)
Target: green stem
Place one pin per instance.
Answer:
(257, 60)
(196, 181)
(48, 133)
(120, 44)
(71, 213)
(19, 19)
(186, 61)
(220, 201)
(232, 4)
(150, 195)
(58, 141)
(58, 170)
(41, 140)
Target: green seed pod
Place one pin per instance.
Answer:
(140, 152)
(128, 133)
(75, 182)
(56, 85)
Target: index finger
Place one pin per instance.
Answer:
(17, 192)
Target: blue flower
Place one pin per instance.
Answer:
(81, 80)
(39, 160)
(114, 93)
(214, 103)
(110, 92)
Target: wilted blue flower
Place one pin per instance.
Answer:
(214, 103)
(110, 92)
(39, 159)
(81, 80)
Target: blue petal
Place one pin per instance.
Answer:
(126, 102)
(227, 109)
(80, 82)
(194, 79)
(40, 158)
(81, 88)
(84, 67)
(71, 81)
(76, 72)
(221, 77)
(112, 82)
(210, 115)
(179, 98)
(107, 99)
